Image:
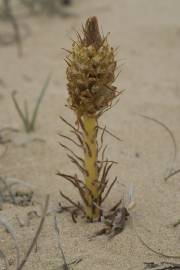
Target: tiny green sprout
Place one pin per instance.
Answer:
(29, 122)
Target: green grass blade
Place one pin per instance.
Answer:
(19, 111)
(35, 112)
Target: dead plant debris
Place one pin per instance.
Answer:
(175, 224)
(115, 222)
(162, 266)
(14, 192)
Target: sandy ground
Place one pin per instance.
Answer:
(148, 36)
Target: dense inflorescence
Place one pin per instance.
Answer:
(91, 72)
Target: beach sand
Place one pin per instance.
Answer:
(148, 36)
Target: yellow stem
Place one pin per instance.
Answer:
(90, 159)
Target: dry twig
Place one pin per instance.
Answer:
(65, 265)
(162, 266)
(34, 241)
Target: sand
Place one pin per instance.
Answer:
(148, 36)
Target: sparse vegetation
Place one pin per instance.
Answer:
(27, 120)
(148, 158)
(21, 262)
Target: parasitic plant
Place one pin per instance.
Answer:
(91, 68)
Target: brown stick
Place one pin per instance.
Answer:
(108, 169)
(109, 189)
(82, 194)
(107, 131)
(102, 138)
(70, 177)
(84, 172)
(70, 139)
(172, 174)
(69, 200)
(76, 156)
(78, 136)
(69, 124)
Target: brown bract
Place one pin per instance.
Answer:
(92, 35)
(91, 72)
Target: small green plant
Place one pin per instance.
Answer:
(29, 122)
